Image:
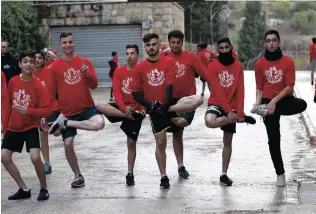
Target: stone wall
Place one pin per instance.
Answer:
(161, 16)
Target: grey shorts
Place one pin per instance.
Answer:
(313, 64)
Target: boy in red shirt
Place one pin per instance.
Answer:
(206, 57)
(46, 76)
(312, 57)
(74, 77)
(126, 109)
(226, 104)
(30, 102)
(275, 79)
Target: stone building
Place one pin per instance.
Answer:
(101, 27)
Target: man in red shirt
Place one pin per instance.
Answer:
(74, 76)
(275, 79)
(312, 58)
(126, 109)
(226, 104)
(206, 57)
(114, 64)
(45, 75)
(184, 93)
(30, 102)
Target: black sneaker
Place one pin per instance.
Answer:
(78, 182)
(130, 179)
(43, 195)
(20, 194)
(250, 120)
(164, 182)
(225, 180)
(183, 172)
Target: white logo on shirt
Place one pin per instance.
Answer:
(156, 78)
(72, 76)
(207, 56)
(43, 83)
(226, 79)
(126, 85)
(181, 70)
(21, 98)
(273, 75)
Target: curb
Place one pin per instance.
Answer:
(309, 127)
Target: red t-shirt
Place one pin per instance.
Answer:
(5, 103)
(73, 87)
(187, 64)
(151, 78)
(227, 86)
(46, 76)
(122, 81)
(33, 95)
(312, 52)
(206, 57)
(235, 55)
(273, 76)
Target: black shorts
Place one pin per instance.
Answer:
(130, 127)
(84, 115)
(51, 119)
(219, 112)
(14, 141)
(188, 116)
(159, 122)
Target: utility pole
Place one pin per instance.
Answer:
(211, 20)
(191, 6)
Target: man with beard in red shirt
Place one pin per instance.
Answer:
(184, 91)
(74, 76)
(275, 79)
(206, 57)
(126, 109)
(153, 89)
(226, 103)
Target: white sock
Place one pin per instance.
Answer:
(223, 173)
(130, 172)
(163, 175)
(180, 165)
(26, 190)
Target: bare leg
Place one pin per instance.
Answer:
(6, 159)
(187, 104)
(178, 146)
(212, 121)
(44, 146)
(131, 154)
(39, 167)
(71, 155)
(161, 156)
(109, 111)
(95, 123)
(227, 151)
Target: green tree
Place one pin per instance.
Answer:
(281, 9)
(304, 22)
(250, 42)
(20, 25)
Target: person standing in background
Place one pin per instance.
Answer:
(312, 58)
(114, 64)
(9, 64)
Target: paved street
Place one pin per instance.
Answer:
(102, 157)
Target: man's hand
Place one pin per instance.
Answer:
(84, 68)
(21, 109)
(271, 107)
(128, 113)
(44, 125)
(232, 116)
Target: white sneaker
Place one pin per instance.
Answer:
(280, 181)
(260, 109)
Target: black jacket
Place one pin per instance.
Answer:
(9, 66)
(113, 66)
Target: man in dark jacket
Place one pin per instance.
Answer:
(9, 64)
(114, 64)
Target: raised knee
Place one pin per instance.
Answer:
(99, 125)
(210, 124)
